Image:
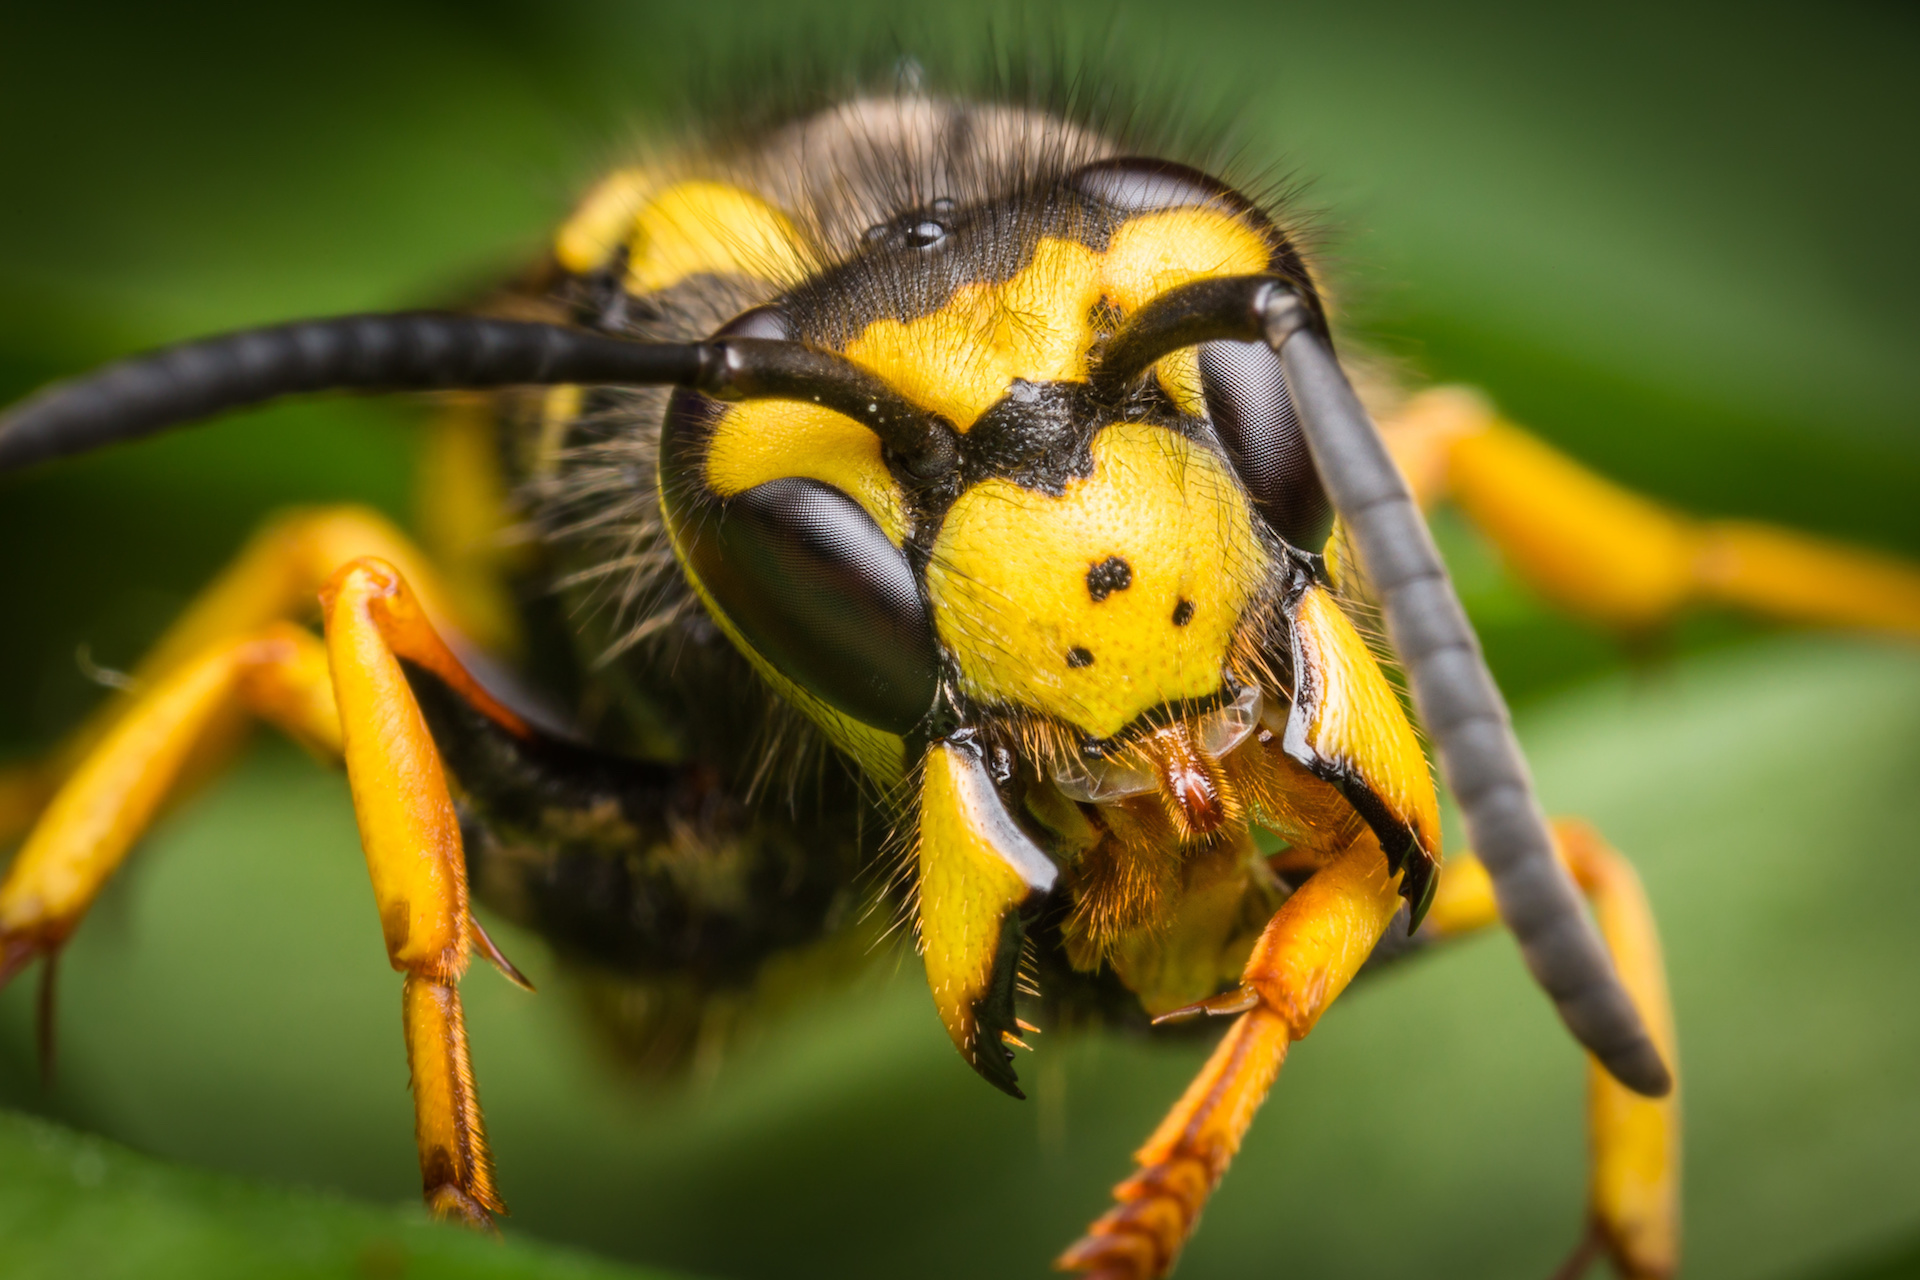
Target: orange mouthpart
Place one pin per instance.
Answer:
(1189, 778)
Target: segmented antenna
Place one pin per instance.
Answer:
(436, 351)
(1454, 692)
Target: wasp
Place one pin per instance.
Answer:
(1008, 472)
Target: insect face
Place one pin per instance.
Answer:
(1082, 556)
(989, 451)
(1071, 587)
(1097, 604)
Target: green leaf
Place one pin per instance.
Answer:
(74, 1205)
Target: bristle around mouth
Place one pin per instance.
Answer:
(1192, 780)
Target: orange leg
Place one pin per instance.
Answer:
(1604, 553)
(1634, 1196)
(93, 820)
(348, 697)
(1307, 955)
(275, 577)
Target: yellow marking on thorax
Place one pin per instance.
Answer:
(1039, 325)
(461, 507)
(762, 440)
(1011, 599)
(711, 228)
(680, 230)
(601, 222)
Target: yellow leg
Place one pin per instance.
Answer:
(279, 673)
(1307, 955)
(412, 840)
(275, 577)
(24, 792)
(1607, 554)
(1634, 1196)
(349, 697)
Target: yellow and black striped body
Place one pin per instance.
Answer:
(1096, 592)
(912, 523)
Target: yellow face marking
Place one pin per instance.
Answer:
(960, 359)
(701, 228)
(1357, 720)
(1179, 376)
(1038, 326)
(1155, 252)
(1012, 599)
(461, 507)
(764, 440)
(601, 221)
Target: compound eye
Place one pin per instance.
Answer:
(811, 582)
(803, 573)
(1252, 412)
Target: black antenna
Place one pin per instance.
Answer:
(434, 351)
(1457, 699)
(1222, 309)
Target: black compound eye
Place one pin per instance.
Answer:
(814, 586)
(801, 570)
(1253, 415)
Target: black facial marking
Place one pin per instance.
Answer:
(1110, 575)
(1038, 434)
(1078, 657)
(1183, 613)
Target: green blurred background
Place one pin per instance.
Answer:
(1677, 242)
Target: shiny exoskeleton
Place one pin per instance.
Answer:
(880, 216)
(925, 509)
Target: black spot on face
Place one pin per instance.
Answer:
(1183, 613)
(1079, 657)
(1110, 575)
